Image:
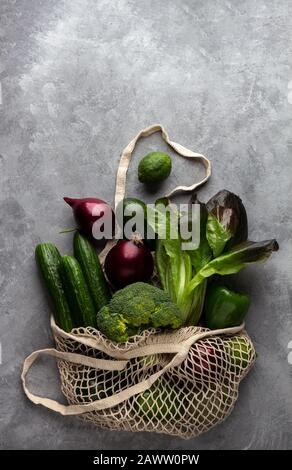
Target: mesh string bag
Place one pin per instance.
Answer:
(180, 382)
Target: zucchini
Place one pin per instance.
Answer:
(48, 260)
(87, 257)
(78, 295)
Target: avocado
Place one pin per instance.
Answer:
(154, 168)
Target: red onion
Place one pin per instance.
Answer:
(128, 262)
(87, 212)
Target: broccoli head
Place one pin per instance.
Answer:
(135, 308)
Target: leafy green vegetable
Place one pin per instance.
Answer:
(217, 235)
(235, 260)
(135, 308)
(196, 307)
(176, 266)
(184, 273)
(203, 254)
(227, 222)
(161, 260)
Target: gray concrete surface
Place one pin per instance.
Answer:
(79, 78)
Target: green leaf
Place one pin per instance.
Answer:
(175, 266)
(235, 260)
(232, 228)
(162, 260)
(217, 235)
(203, 254)
(198, 299)
(164, 221)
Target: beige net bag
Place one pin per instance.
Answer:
(180, 383)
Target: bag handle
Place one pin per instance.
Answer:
(125, 159)
(181, 350)
(179, 149)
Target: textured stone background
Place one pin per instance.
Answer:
(79, 78)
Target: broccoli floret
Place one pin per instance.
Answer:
(166, 314)
(112, 324)
(135, 308)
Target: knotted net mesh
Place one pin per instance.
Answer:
(186, 400)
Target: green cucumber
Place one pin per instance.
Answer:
(87, 257)
(48, 260)
(78, 295)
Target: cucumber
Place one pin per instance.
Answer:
(48, 260)
(78, 295)
(87, 257)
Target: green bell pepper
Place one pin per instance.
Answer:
(224, 308)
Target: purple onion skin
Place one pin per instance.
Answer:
(128, 262)
(206, 359)
(83, 210)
